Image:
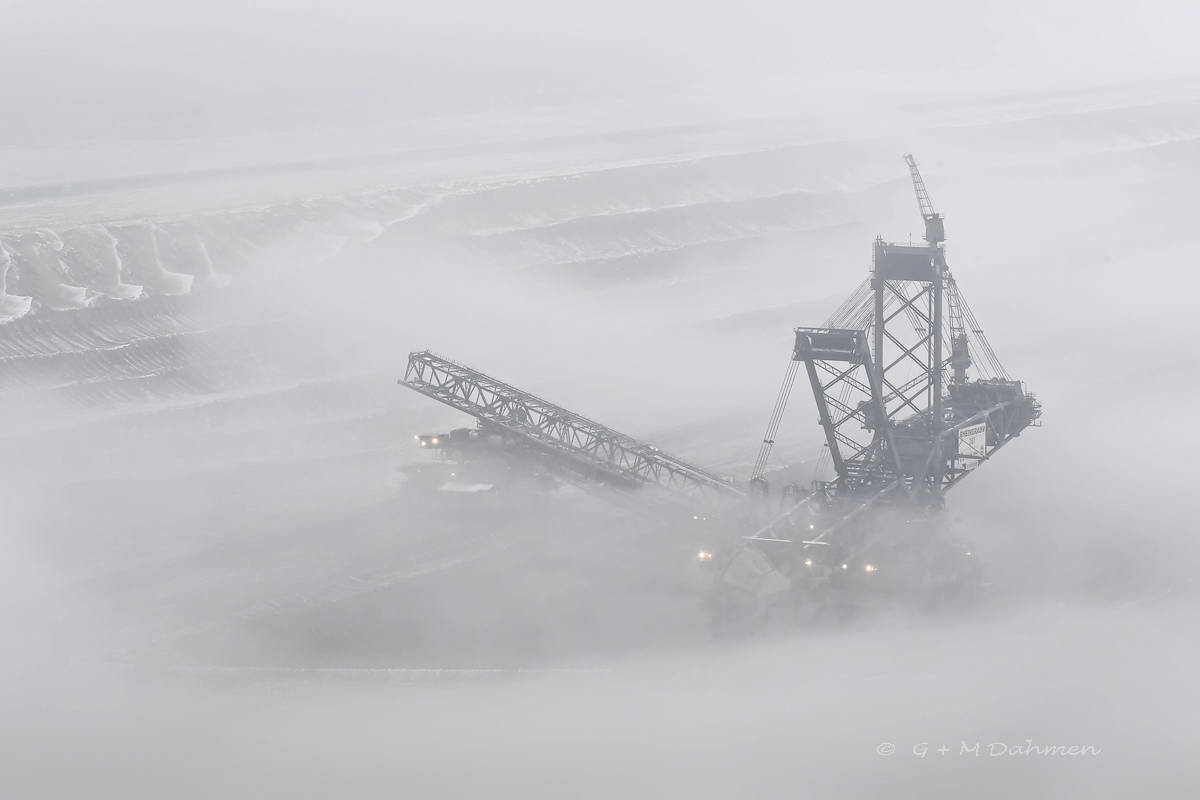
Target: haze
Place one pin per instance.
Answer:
(223, 227)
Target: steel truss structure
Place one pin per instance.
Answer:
(900, 416)
(578, 444)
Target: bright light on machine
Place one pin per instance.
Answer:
(704, 555)
(808, 562)
(812, 526)
(435, 440)
(869, 568)
(845, 566)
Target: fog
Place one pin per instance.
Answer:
(223, 228)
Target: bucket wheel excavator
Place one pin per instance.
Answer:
(903, 423)
(911, 399)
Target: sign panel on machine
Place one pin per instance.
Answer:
(972, 445)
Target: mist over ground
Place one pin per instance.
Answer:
(223, 229)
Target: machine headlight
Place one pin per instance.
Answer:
(870, 568)
(704, 555)
(808, 562)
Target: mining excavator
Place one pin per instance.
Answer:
(904, 421)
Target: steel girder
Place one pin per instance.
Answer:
(589, 448)
(880, 395)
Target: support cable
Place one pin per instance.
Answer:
(768, 442)
(986, 346)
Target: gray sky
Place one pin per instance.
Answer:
(135, 68)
